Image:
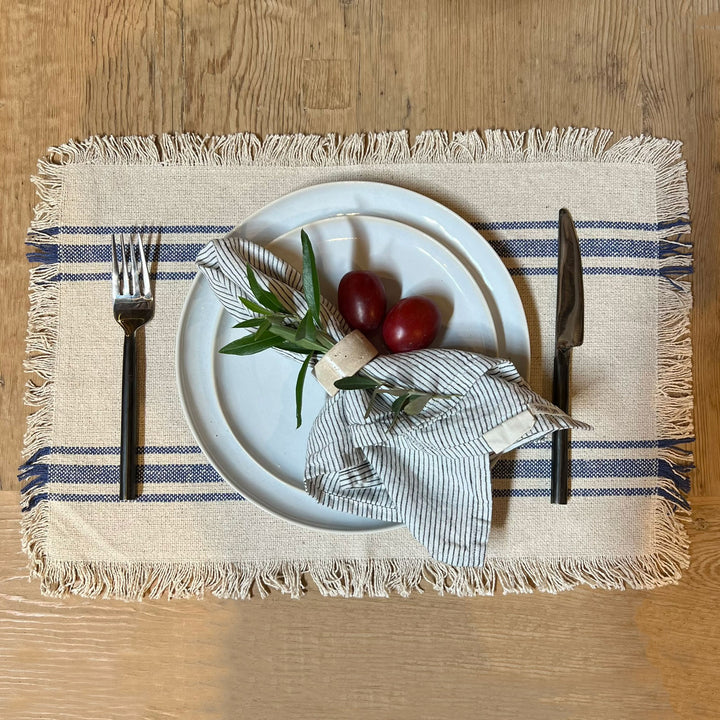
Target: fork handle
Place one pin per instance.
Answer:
(128, 427)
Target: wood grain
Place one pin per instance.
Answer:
(704, 180)
(582, 654)
(80, 67)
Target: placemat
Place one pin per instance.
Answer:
(190, 533)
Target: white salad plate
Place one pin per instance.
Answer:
(241, 410)
(410, 208)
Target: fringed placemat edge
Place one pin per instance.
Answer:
(375, 578)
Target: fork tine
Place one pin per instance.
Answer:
(124, 288)
(115, 273)
(134, 280)
(146, 289)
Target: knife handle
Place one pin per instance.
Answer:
(560, 440)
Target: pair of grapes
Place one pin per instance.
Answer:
(411, 324)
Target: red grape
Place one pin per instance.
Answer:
(361, 300)
(412, 324)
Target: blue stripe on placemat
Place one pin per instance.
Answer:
(503, 225)
(577, 492)
(39, 474)
(589, 247)
(44, 473)
(149, 473)
(506, 247)
(531, 493)
(615, 467)
(77, 253)
(115, 450)
(105, 277)
(143, 229)
(609, 444)
(167, 252)
(201, 473)
(624, 271)
(142, 497)
(191, 449)
(643, 272)
(581, 224)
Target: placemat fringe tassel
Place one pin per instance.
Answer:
(375, 578)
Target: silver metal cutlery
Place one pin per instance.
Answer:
(569, 327)
(133, 307)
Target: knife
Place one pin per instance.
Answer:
(569, 326)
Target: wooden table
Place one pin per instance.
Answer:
(73, 68)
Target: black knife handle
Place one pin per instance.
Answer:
(128, 427)
(560, 440)
(559, 484)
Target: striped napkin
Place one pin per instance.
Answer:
(190, 533)
(432, 470)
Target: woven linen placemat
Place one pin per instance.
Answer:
(191, 533)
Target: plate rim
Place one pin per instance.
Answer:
(524, 353)
(444, 210)
(383, 526)
(193, 409)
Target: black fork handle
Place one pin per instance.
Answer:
(128, 427)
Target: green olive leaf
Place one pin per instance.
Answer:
(252, 305)
(290, 334)
(281, 328)
(299, 389)
(293, 347)
(373, 397)
(400, 402)
(311, 284)
(264, 297)
(306, 329)
(356, 382)
(263, 329)
(250, 345)
(397, 407)
(416, 404)
(252, 322)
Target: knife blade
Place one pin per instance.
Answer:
(569, 329)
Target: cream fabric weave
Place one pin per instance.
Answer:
(631, 378)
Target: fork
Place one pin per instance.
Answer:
(133, 306)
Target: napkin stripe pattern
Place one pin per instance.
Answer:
(648, 253)
(430, 471)
(442, 463)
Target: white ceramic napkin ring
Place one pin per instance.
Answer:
(344, 359)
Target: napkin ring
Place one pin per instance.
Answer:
(344, 359)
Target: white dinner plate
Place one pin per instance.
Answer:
(241, 409)
(418, 211)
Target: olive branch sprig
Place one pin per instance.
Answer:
(280, 327)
